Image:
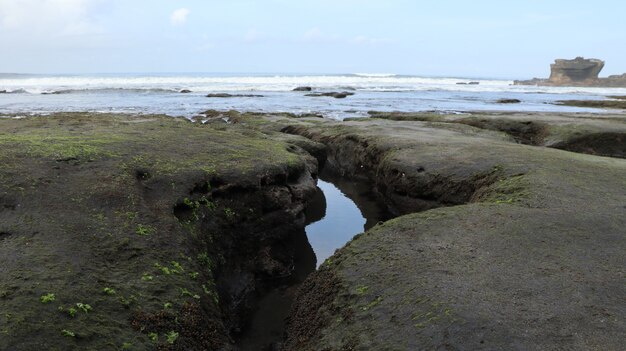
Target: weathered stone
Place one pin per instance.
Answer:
(509, 101)
(577, 72)
(334, 94)
(303, 89)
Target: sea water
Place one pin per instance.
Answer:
(161, 93)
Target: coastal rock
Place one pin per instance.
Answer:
(492, 261)
(509, 101)
(334, 94)
(185, 91)
(577, 72)
(136, 225)
(3, 91)
(303, 89)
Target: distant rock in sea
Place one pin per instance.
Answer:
(334, 94)
(303, 89)
(579, 72)
(508, 101)
(185, 91)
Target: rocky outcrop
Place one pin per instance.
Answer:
(577, 72)
(513, 252)
(334, 94)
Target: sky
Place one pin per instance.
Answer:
(480, 38)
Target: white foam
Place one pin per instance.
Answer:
(202, 84)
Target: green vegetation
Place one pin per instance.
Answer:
(361, 290)
(68, 333)
(83, 307)
(47, 298)
(171, 336)
(154, 337)
(145, 229)
(109, 291)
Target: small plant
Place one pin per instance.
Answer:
(68, 333)
(177, 267)
(127, 346)
(194, 275)
(171, 337)
(144, 230)
(72, 312)
(229, 213)
(47, 298)
(204, 259)
(167, 305)
(163, 269)
(185, 292)
(146, 277)
(154, 337)
(83, 307)
(361, 289)
(109, 291)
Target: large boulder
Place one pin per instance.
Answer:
(576, 70)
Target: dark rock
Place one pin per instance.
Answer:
(461, 83)
(473, 83)
(334, 94)
(185, 91)
(3, 91)
(303, 89)
(508, 101)
(224, 95)
(618, 103)
(577, 72)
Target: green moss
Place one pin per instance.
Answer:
(47, 298)
(507, 191)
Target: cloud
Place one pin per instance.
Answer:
(50, 17)
(179, 17)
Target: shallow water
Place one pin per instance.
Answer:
(351, 209)
(340, 209)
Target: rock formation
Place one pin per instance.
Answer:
(577, 72)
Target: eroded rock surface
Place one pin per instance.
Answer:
(577, 72)
(147, 232)
(519, 246)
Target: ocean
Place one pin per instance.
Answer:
(161, 93)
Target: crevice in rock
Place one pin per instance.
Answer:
(524, 132)
(599, 144)
(403, 190)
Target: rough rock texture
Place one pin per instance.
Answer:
(141, 233)
(595, 134)
(577, 72)
(522, 248)
(334, 94)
